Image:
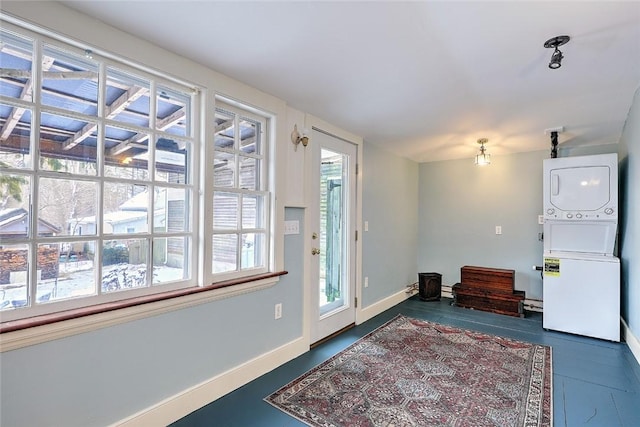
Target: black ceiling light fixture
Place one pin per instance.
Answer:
(556, 57)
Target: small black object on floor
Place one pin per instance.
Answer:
(430, 286)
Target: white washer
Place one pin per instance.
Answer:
(581, 294)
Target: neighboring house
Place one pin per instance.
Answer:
(14, 223)
(131, 217)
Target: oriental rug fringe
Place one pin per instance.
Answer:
(411, 372)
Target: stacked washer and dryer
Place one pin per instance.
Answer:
(581, 274)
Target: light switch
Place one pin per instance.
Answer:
(292, 227)
(498, 229)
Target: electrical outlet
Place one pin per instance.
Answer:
(278, 311)
(366, 226)
(498, 229)
(541, 219)
(366, 282)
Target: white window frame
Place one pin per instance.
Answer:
(203, 287)
(156, 79)
(266, 189)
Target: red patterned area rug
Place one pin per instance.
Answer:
(411, 372)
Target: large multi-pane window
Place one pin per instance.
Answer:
(97, 189)
(240, 194)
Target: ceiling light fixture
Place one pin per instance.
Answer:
(556, 56)
(483, 159)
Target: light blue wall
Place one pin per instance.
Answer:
(629, 236)
(460, 206)
(390, 206)
(100, 377)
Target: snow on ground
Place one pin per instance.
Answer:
(77, 278)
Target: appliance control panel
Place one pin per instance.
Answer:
(609, 213)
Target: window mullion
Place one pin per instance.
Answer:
(32, 263)
(151, 166)
(100, 159)
(237, 140)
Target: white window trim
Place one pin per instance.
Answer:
(206, 103)
(267, 176)
(157, 79)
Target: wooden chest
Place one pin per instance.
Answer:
(488, 289)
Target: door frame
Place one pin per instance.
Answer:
(314, 123)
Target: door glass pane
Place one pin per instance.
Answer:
(333, 252)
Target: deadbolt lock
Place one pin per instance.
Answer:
(314, 236)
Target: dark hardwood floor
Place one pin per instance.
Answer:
(595, 382)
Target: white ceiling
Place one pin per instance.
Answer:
(422, 79)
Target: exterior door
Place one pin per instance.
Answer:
(333, 226)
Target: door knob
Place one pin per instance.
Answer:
(315, 251)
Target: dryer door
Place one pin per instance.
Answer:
(580, 189)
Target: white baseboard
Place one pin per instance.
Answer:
(384, 304)
(187, 401)
(632, 341)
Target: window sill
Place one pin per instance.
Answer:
(35, 330)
